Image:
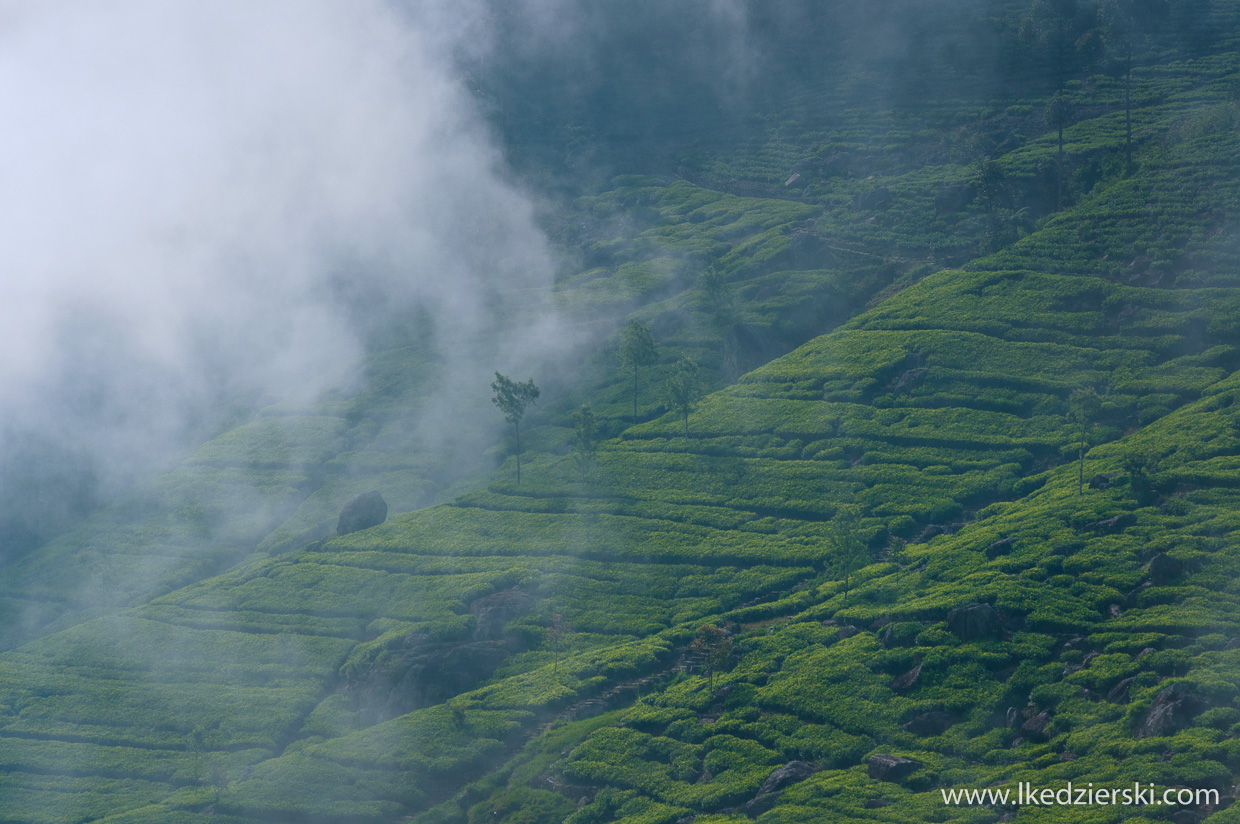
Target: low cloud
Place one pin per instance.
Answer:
(206, 202)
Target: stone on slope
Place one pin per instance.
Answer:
(494, 611)
(1173, 709)
(885, 767)
(974, 622)
(362, 511)
(790, 773)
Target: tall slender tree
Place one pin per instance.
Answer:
(714, 646)
(513, 399)
(994, 194)
(848, 553)
(637, 350)
(683, 388)
(194, 743)
(557, 636)
(1123, 24)
(1058, 113)
(585, 437)
(1054, 24)
(1083, 407)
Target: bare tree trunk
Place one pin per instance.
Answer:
(517, 427)
(1059, 50)
(1128, 111)
(634, 394)
(1080, 472)
(1059, 172)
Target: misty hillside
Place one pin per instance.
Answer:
(886, 441)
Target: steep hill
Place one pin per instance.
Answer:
(880, 502)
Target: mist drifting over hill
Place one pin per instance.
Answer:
(212, 205)
(885, 437)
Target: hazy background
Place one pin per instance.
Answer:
(206, 207)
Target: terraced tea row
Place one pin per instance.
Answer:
(1098, 609)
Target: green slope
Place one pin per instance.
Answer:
(231, 672)
(805, 688)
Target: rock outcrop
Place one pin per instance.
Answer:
(494, 611)
(934, 722)
(891, 767)
(975, 622)
(1174, 708)
(1164, 569)
(1034, 728)
(790, 773)
(908, 680)
(760, 804)
(362, 511)
(423, 672)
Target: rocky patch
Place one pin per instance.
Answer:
(362, 511)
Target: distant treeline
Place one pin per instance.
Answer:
(608, 87)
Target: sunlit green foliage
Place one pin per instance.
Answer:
(939, 421)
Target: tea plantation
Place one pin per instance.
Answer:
(959, 491)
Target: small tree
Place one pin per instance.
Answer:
(1122, 22)
(219, 780)
(458, 716)
(585, 437)
(717, 297)
(848, 553)
(1140, 484)
(513, 398)
(715, 647)
(894, 553)
(1058, 114)
(557, 636)
(1083, 406)
(193, 743)
(1054, 24)
(683, 389)
(636, 351)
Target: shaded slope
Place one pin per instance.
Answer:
(923, 413)
(1102, 620)
(755, 521)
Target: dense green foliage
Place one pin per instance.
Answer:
(908, 359)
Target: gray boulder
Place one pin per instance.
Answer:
(1119, 693)
(929, 723)
(362, 511)
(891, 767)
(908, 680)
(760, 805)
(1164, 569)
(790, 773)
(1035, 728)
(975, 622)
(423, 672)
(1174, 708)
(494, 611)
